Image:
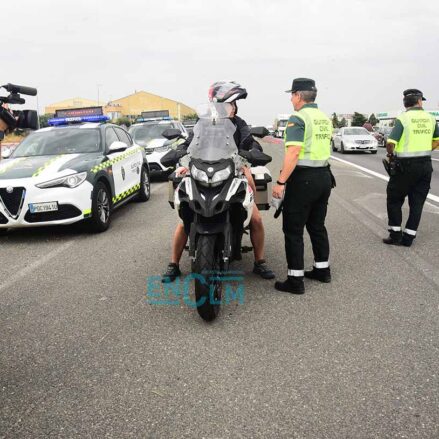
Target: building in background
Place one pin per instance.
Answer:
(131, 106)
(70, 103)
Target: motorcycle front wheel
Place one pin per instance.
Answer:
(208, 289)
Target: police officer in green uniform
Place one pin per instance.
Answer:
(409, 147)
(307, 182)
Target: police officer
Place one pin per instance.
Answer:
(409, 146)
(307, 181)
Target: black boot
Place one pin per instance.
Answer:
(394, 238)
(293, 285)
(320, 274)
(172, 272)
(407, 240)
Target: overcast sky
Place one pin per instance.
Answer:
(362, 54)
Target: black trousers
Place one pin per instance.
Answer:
(305, 204)
(413, 181)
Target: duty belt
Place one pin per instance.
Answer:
(312, 163)
(404, 155)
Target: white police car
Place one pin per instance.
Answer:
(148, 133)
(79, 168)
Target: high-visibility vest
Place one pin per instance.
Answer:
(316, 148)
(417, 137)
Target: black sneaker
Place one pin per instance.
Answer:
(260, 267)
(172, 272)
(293, 285)
(320, 274)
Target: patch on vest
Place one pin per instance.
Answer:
(291, 124)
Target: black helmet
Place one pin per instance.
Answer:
(226, 91)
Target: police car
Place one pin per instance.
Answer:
(79, 168)
(148, 133)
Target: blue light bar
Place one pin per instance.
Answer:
(59, 121)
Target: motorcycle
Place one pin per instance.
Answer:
(215, 198)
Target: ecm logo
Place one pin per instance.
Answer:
(179, 291)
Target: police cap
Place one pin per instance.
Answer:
(302, 84)
(414, 92)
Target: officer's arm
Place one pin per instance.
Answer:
(435, 144)
(394, 136)
(294, 138)
(290, 162)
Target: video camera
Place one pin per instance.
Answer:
(13, 119)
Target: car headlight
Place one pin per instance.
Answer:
(198, 174)
(70, 181)
(222, 175)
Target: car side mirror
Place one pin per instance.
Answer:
(6, 153)
(259, 132)
(172, 157)
(118, 146)
(255, 157)
(171, 133)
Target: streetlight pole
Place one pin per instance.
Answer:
(98, 87)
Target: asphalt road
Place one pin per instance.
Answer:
(374, 162)
(83, 353)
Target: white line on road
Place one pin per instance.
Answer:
(436, 160)
(378, 175)
(32, 267)
(25, 271)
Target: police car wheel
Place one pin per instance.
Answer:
(101, 208)
(373, 152)
(342, 150)
(145, 186)
(333, 146)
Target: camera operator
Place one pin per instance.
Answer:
(12, 119)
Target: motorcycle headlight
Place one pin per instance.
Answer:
(70, 181)
(222, 175)
(199, 175)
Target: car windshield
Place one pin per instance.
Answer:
(59, 141)
(356, 132)
(142, 134)
(213, 134)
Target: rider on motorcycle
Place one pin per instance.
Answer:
(229, 92)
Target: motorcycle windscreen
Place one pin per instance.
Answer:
(213, 140)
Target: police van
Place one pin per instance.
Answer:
(79, 168)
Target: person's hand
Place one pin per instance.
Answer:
(278, 191)
(181, 171)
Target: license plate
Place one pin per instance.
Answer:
(43, 207)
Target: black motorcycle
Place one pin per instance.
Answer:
(214, 199)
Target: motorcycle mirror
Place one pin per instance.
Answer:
(259, 132)
(171, 133)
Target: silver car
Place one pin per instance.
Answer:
(354, 139)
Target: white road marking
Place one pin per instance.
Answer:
(32, 267)
(436, 160)
(431, 197)
(38, 263)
